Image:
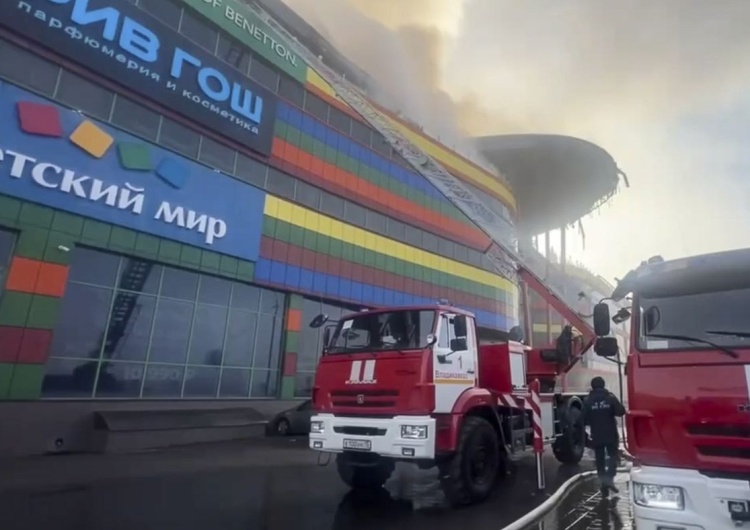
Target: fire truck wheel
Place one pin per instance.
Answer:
(470, 474)
(363, 477)
(568, 448)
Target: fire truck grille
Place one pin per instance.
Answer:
(364, 398)
(360, 431)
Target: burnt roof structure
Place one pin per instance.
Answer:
(556, 179)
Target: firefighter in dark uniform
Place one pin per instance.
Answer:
(600, 410)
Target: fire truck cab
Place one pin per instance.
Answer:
(413, 384)
(688, 368)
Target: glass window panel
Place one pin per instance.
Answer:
(376, 222)
(234, 383)
(120, 380)
(129, 327)
(246, 297)
(139, 276)
(292, 91)
(267, 342)
(167, 12)
(361, 132)
(163, 380)
(240, 342)
(264, 384)
(92, 266)
(250, 170)
(354, 214)
(271, 302)
(280, 184)
(214, 290)
(430, 242)
(217, 155)
(198, 31)
(171, 331)
(332, 205)
(233, 53)
(264, 74)
(178, 283)
(303, 383)
(315, 106)
(307, 195)
(207, 342)
(135, 118)
(83, 95)
(179, 138)
(65, 378)
(82, 322)
(27, 69)
(340, 120)
(201, 382)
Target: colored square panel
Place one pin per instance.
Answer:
(34, 346)
(39, 119)
(290, 364)
(52, 279)
(172, 172)
(134, 156)
(10, 343)
(91, 139)
(23, 275)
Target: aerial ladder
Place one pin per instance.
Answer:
(502, 252)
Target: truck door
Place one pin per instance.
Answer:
(454, 362)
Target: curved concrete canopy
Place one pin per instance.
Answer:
(556, 179)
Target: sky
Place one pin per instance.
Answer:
(663, 86)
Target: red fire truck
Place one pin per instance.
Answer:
(413, 384)
(689, 390)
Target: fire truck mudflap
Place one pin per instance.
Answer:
(408, 437)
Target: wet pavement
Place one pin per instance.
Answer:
(255, 485)
(584, 508)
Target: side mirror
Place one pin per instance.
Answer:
(621, 316)
(318, 321)
(601, 319)
(516, 334)
(460, 326)
(458, 344)
(606, 347)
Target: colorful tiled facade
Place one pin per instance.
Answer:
(395, 240)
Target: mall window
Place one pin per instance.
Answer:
(307, 195)
(292, 91)
(233, 53)
(81, 94)
(135, 118)
(316, 107)
(179, 138)
(264, 74)
(167, 12)
(250, 170)
(311, 341)
(7, 239)
(339, 120)
(27, 69)
(217, 155)
(198, 31)
(361, 132)
(280, 184)
(130, 328)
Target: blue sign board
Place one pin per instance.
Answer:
(118, 40)
(56, 157)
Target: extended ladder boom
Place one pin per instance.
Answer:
(502, 253)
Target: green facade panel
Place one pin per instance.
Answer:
(26, 382)
(287, 387)
(6, 375)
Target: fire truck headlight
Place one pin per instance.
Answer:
(415, 432)
(316, 427)
(658, 496)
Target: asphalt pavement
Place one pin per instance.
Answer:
(264, 484)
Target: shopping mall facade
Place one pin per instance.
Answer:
(180, 194)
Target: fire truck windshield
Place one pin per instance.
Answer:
(383, 331)
(713, 318)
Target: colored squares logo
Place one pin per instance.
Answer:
(136, 157)
(91, 139)
(172, 172)
(39, 119)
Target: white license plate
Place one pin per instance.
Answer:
(357, 445)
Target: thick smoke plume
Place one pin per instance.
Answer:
(638, 77)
